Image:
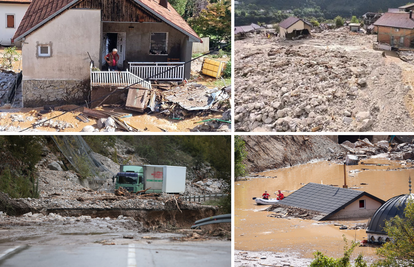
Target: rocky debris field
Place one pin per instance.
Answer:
(333, 81)
(383, 149)
(267, 258)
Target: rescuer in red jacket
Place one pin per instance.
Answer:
(280, 196)
(265, 195)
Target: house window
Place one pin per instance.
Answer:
(402, 40)
(362, 204)
(43, 51)
(158, 44)
(396, 29)
(9, 20)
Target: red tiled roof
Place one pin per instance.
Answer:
(170, 15)
(38, 12)
(396, 20)
(41, 11)
(16, 1)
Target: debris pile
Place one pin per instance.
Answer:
(334, 81)
(381, 149)
(7, 82)
(267, 258)
(282, 211)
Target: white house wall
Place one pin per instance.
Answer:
(64, 76)
(71, 35)
(18, 10)
(352, 211)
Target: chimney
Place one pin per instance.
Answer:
(411, 14)
(164, 3)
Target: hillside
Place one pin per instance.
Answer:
(266, 10)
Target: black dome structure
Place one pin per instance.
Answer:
(393, 207)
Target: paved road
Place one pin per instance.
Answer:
(182, 254)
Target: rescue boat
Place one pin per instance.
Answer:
(261, 201)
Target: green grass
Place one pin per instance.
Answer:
(219, 83)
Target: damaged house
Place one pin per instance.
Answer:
(11, 14)
(333, 203)
(293, 27)
(61, 39)
(396, 29)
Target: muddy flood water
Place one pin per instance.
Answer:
(255, 231)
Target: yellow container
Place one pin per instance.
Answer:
(213, 68)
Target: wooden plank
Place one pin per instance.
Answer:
(137, 100)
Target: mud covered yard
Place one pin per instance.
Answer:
(333, 81)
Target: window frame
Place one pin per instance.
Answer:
(39, 47)
(14, 20)
(166, 44)
(364, 204)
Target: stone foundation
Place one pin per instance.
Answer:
(38, 93)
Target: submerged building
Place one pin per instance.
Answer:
(393, 207)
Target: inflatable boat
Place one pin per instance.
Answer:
(261, 201)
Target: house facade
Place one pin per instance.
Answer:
(293, 27)
(11, 14)
(396, 29)
(58, 48)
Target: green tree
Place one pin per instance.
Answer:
(354, 19)
(239, 156)
(339, 21)
(323, 261)
(214, 22)
(179, 6)
(399, 251)
(10, 55)
(314, 22)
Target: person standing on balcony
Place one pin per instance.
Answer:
(112, 60)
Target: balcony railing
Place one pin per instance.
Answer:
(117, 78)
(158, 71)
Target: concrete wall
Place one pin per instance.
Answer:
(385, 34)
(202, 47)
(352, 211)
(298, 26)
(6, 34)
(64, 76)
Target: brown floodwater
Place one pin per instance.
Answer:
(255, 231)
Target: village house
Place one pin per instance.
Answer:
(333, 203)
(61, 39)
(396, 29)
(293, 27)
(11, 14)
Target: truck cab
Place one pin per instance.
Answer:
(131, 181)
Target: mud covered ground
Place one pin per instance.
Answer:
(334, 81)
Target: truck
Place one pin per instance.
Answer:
(155, 178)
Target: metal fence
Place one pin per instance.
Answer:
(202, 198)
(168, 71)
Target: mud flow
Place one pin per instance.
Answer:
(255, 231)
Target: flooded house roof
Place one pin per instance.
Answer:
(42, 11)
(290, 21)
(324, 199)
(396, 20)
(393, 207)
